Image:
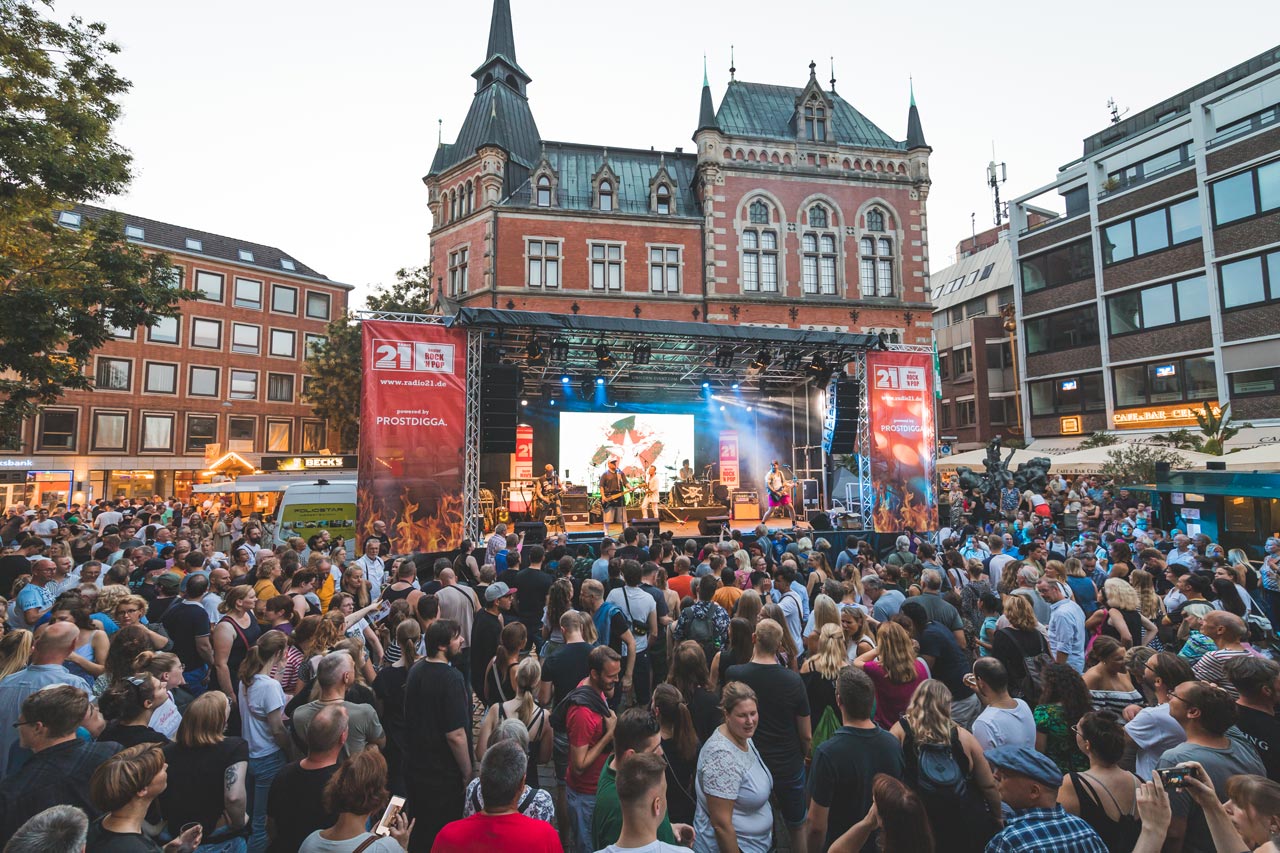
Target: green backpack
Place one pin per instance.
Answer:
(828, 724)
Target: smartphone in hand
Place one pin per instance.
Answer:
(388, 816)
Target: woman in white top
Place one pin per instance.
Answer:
(262, 702)
(853, 620)
(733, 785)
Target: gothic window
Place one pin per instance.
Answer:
(760, 260)
(606, 195)
(544, 191)
(875, 267)
(758, 213)
(875, 220)
(817, 216)
(819, 260)
(471, 196)
(815, 121)
(663, 200)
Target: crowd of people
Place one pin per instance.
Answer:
(170, 681)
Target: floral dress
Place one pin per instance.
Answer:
(1061, 743)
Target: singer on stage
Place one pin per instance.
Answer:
(779, 490)
(649, 506)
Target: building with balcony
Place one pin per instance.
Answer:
(1157, 288)
(219, 385)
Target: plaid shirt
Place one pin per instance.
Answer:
(58, 775)
(1046, 831)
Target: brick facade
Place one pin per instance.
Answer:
(1166, 264)
(1183, 337)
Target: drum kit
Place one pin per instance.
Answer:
(702, 491)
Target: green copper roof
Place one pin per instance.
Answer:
(575, 166)
(761, 110)
(498, 116)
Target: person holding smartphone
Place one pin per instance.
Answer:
(355, 792)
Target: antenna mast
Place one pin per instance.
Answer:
(997, 174)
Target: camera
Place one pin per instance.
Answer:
(1174, 778)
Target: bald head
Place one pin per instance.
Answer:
(1228, 624)
(54, 643)
(448, 578)
(328, 729)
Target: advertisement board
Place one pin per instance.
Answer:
(729, 459)
(306, 520)
(900, 408)
(412, 432)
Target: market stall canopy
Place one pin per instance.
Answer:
(1265, 457)
(975, 458)
(1091, 459)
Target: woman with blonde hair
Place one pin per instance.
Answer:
(129, 611)
(788, 654)
(1150, 605)
(207, 775)
(894, 669)
(1017, 642)
(1009, 578)
(821, 669)
(858, 638)
(825, 612)
(15, 650)
(1119, 617)
(971, 820)
(523, 707)
(749, 606)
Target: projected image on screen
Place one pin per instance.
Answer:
(589, 439)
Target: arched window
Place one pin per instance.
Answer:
(817, 216)
(875, 267)
(875, 220)
(758, 213)
(544, 191)
(815, 121)
(606, 195)
(453, 205)
(471, 197)
(663, 199)
(819, 260)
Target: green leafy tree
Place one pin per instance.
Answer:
(1135, 464)
(1100, 439)
(62, 290)
(1216, 429)
(336, 366)
(1182, 439)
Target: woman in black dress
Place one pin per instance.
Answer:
(680, 746)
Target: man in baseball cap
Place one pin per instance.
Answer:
(1029, 783)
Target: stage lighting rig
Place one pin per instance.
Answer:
(762, 360)
(724, 357)
(560, 350)
(791, 360)
(641, 353)
(534, 354)
(604, 358)
(817, 365)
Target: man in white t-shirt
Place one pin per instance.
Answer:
(43, 526)
(375, 570)
(1153, 730)
(642, 612)
(1004, 721)
(999, 559)
(107, 518)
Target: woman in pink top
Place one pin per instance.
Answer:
(895, 671)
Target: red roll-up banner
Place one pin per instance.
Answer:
(900, 405)
(412, 433)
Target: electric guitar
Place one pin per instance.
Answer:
(779, 494)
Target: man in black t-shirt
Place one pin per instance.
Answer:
(532, 585)
(631, 550)
(785, 732)
(946, 660)
(562, 671)
(294, 806)
(486, 631)
(1256, 678)
(187, 624)
(14, 565)
(845, 765)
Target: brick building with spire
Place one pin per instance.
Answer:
(793, 210)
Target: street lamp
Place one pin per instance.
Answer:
(1009, 314)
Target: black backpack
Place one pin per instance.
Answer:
(702, 630)
(936, 770)
(1026, 686)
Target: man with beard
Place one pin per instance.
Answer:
(438, 760)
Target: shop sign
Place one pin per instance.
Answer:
(1073, 425)
(1190, 513)
(1160, 416)
(1178, 498)
(16, 463)
(309, 463)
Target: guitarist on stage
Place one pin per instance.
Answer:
(775, 482)
(613, 493)
(549, 492)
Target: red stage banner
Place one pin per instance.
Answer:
(900, 404)
(412, 434)
(522, 461)
(729, 460)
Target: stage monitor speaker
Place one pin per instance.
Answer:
(535, 532)
(840, 428)
(819, 520)
(746, 506)
(711, 525)
(499, 408)
(648, 526)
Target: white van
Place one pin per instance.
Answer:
(307, 508)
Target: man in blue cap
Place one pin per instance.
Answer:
(1029, 783)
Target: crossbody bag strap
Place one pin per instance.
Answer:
(367, 843)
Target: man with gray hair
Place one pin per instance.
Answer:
(1228, 633)
(501, 825)
(335, 675)
(534, 802)
(1028, 578)
(939, 610)
(60, 829)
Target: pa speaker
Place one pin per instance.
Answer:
(535, 532)
(840, 429)
(499, 408)
(819, 520)
(712, 524)
(648, 526)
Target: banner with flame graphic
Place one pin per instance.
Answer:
(412, 433)
(900, 406)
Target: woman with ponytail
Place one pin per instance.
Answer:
(167, 669)
(388, 687)
(280, 615)
(499, 683)
(261, 704)
(523, 707)
(680, 747)
(128, 706)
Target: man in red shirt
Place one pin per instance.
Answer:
(681, 581)
(500, 826)
(589, 723)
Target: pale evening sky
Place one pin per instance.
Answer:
(309, 126)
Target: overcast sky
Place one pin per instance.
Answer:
(309, 126)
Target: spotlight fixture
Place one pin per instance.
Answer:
(641, 353)
(599, 380)
(524, 402)
(604, 358)
(762, 360)
(564, 379)
(734, 386)
(706, 386)
(724, 357)
(817, 365)
(791, 360)
(722, 408)
(560, 349)
(533, 353)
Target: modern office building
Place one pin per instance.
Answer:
(213, 390)
(1157, 289)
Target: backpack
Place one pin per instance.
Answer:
(604, 622)
(702, 630)
(828, 724)
(1027, 687)
(938, 769)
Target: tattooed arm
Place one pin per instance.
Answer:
(235, 796)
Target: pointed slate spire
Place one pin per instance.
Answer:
(707, 110)
(500, 64)
(915, 132)
(502, 40)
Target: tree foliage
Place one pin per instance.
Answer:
(62, 290)
(1216, 429)
(336, 366)
(1135, 464)
(1100, 439)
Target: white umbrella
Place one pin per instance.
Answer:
(1091, 459)
(1265, 457)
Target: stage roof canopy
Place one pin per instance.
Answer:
(680, 355)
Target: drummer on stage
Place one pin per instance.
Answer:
(686, 472)
(779, 492)
(613, 489)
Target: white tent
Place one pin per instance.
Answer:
(1265, 457)
(975, 458)
(1091, 459)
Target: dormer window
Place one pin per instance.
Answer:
(663, 201)
(544, 191)
(875, 220)
(758, 213)
(815, 121)
(606, 195)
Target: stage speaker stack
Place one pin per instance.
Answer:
(840, 428)
(648, 526)
(535, 532)
(499, 408)
(576, 508)
(711, 525)
(819, 520)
